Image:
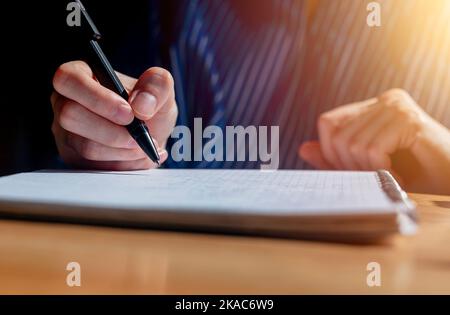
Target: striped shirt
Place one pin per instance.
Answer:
(284, 62)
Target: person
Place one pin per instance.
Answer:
(290, 63)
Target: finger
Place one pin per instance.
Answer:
(367, 142)
(348, 142)
(94, 151)
(311, 152)
(151, 93)
(75, 81)
(60, 136)
(331, 122)
(341, 144)
(364, 137)
(386, 143)
(73, 158)
(127, 81)
(327, 127)
(162, 123)
(76, 119)
(54, 98)
(142, 164)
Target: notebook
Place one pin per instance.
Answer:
(323, 205)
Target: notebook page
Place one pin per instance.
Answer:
(241, 191)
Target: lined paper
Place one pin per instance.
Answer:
(225, 191)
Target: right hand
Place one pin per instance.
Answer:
(89, 119)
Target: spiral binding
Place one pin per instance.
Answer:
(395, 193)
(390, 186)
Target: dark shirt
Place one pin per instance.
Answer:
(252, 62)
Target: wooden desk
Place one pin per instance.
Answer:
(33, 259)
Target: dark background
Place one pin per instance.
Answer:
(35, 40)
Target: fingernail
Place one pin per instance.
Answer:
(144, 104)
(124, 114)
(163, 155)
(162, 151)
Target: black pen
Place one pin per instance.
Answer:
(107, 77)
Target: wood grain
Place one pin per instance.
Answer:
(33, 259)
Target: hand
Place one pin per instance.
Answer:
(89, 119)
(365, 135)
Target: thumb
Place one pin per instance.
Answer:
(153, 100)
(151, 93)
(311, 152)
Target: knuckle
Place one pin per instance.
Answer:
(54, 128)
(89, 150)
(395, 97)
(102, 102)
(61, 76)
(173, 111)
(396, 92)
(158, 82)
(373, 150)
(355, 148)
(393, 107)
(404, 113)
(325, 122)
(338, 142)
(414, 121)
(400, 110)
(164, 75)
(80, 65)
(341, 139)
(54, 98)
(68, 115)
(96, 103)
(66, 73)
(147, 164)
(117, 141)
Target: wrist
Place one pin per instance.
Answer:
(432, 150)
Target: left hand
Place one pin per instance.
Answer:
(364, 135)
